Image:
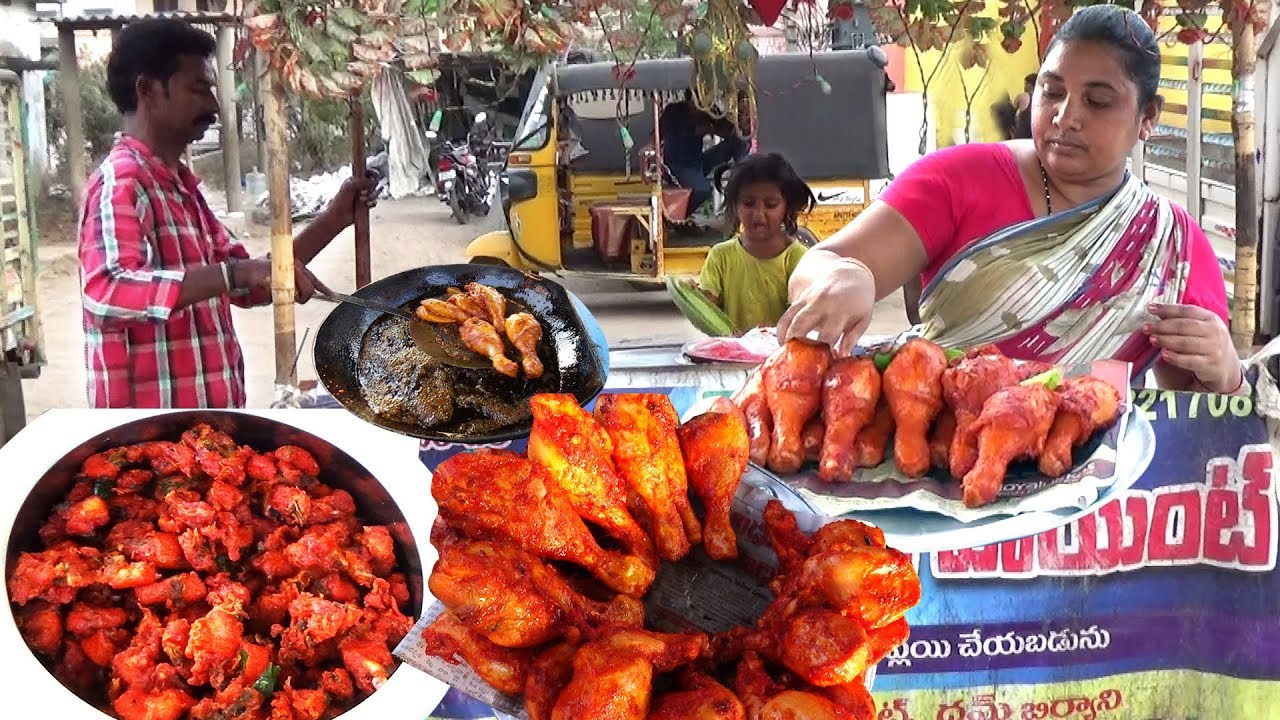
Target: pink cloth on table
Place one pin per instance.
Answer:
(957, 195)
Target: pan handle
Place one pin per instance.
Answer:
(338, 298)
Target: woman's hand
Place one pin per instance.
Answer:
(833, 297)
(1197, 341)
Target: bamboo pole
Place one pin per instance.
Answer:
(282, 279)
(1243, 62)
(364, 271)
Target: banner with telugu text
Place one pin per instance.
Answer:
(1162, 605)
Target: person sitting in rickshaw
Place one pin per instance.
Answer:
(1048, 247)
(746, 275)
(683, 127)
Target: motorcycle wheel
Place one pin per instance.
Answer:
(455, 206)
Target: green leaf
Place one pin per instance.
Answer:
(423, 77)
(103, 488)
(701, 11)
(266, 682)
(341, 33)
(244, 660)
(1051, 379)
(311, 49)
(348, 16)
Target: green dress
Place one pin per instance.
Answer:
(753, 292)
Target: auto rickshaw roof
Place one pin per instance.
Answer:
(672, 75)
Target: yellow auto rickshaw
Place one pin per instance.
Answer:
(583, 191)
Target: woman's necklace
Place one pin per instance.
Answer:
(1048, 200)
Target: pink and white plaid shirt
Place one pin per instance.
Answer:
(143, 224)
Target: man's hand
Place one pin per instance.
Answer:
(354, 193)
(254, 278)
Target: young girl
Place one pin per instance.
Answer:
(746, 275)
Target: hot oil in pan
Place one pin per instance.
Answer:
(402, 384)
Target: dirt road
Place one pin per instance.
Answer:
(406, 234)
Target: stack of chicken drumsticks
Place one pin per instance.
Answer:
(972, 416)
(544, 559)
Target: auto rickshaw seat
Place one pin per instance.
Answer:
(611, 230)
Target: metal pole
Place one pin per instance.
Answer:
(229, 136)
(1195, 105)
(364, 271)
(282, 280)
(69, 80)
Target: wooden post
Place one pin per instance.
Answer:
(1243, 61)
(69, 80)
(282, 280)
(364, 272)
(229, 136)
(259, 116)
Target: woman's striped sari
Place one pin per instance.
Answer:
(1069, 288)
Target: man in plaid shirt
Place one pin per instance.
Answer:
(158, 271)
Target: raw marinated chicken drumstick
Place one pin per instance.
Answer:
(966, 386)
(1086, 405)
(483, 338)
(647, 454)
(913, 386)
(503, 668)
(850, 394)
(941, 437)
(1013, 425)
(613, 675)
(525, 332)
(494, 304)
(514, 598)
(814, 431)
(793, 382)
(755, 410)
(500, 494)
(873, 441)
(441, 312)
(578, 455)
(715, 450)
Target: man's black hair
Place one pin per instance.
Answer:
(151, 48)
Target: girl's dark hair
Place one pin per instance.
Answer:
(1125, 32)
(766, 168)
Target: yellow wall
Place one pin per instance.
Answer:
(947, 95)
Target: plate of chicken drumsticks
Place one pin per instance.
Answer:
(928, 443)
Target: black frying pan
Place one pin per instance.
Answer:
(565, 340)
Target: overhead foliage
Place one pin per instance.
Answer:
(332, 49)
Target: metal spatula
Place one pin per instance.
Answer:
(440, 342)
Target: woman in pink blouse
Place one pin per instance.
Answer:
(1047, 247)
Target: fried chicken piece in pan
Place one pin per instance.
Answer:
(1087, 405)
(494, 304)
(913, 386)
(525, 332)
(483, 338)
(441, 312)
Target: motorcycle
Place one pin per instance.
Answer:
(463, 180)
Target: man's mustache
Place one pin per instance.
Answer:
(209, 119)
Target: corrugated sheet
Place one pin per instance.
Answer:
(106, 22)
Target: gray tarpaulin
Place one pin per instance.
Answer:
(406, 153)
